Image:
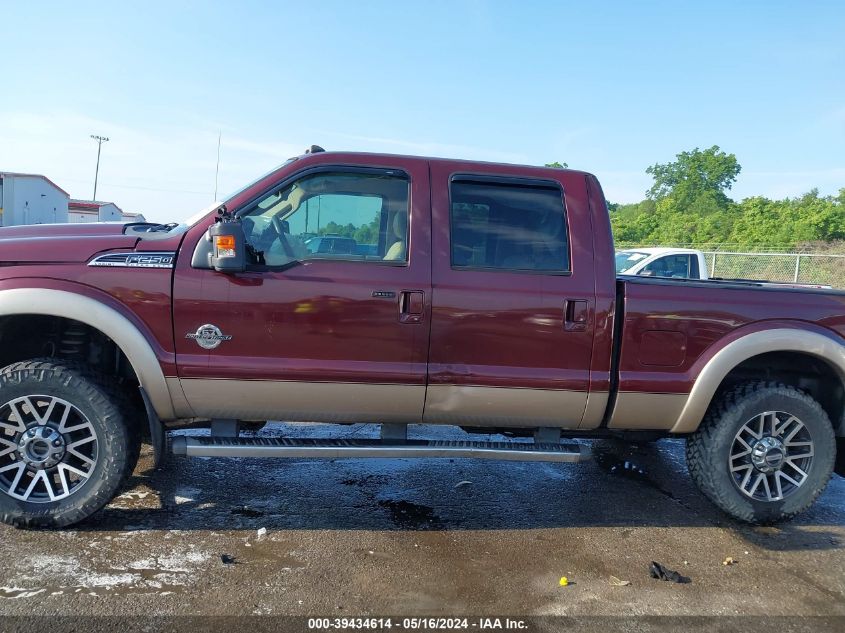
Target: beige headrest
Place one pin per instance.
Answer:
(400, 225)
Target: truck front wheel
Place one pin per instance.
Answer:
(67, 441)
(763, 452)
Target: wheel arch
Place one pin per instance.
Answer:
(771, 343)
(95, 313)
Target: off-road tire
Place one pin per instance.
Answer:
(107, 405)
(708, 450)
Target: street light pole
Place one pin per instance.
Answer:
(100, 140)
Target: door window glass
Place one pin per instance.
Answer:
(346, 216)
(508, 227)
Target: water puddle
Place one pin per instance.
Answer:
(407, 515)
(618, 466)
(246, 511)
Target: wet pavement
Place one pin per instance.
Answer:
(407, 537)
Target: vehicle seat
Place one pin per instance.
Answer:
(539, 246)
(399, 248)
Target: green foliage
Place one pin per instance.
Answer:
(557, 164)
(688, 205)
(694, 174)
(366, 234)
(754, 222)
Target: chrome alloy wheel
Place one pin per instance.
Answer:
(48, 448)
(771, 456)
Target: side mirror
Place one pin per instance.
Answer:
(228, 247)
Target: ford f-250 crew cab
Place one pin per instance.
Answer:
(449, 292)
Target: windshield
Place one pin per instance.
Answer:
(199, 215)
(626, 260)
(260, 178)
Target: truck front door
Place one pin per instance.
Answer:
(334, 326)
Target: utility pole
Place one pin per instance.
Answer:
(100, 140)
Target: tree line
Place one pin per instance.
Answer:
(688, 203)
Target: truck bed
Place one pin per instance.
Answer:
(670, 328)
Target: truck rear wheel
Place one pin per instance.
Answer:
(67, 442)
(763, 453)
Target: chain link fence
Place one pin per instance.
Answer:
(804, 268)
(810, 264)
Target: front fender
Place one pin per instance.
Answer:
(127, 335)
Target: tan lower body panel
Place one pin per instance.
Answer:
(503, 406)
(594, 411)
(304, 401)
(652, 411)
(177, 396)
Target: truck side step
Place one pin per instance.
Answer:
(204, 446)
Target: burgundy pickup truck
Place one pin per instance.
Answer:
(398, 290)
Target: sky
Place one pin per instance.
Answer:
(608, 87)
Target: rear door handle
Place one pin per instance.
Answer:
(576, 313)
(411, 306)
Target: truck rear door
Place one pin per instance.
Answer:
(513, 297)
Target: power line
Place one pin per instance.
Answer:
(108, 184)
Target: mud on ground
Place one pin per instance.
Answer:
(406, 537)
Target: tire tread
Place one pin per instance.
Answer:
(105, 392)
(701, 449)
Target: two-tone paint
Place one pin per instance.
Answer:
(325, 340)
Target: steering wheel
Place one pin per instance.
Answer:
(279, 228)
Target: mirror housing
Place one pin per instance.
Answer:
(228, 246)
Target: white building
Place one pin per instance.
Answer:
(91, 211)
(31, 199)
(133, 217)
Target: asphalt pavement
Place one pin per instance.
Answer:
(434, 537)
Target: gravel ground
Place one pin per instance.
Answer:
(410, 537)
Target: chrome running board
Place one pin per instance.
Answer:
(204, 446)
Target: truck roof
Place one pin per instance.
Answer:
(320, 156)
(437, 159)
(659, 250)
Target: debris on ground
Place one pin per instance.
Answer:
(618, 582)
(228, 559)
(262, 532)
(728, 561)
(463, 484)
(564, 581)
(247, 511)
(664, 573)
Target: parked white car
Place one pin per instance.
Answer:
(685, 263)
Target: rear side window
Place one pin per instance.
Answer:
(670, 266)
(506, 226)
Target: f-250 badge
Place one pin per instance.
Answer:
(208, 336)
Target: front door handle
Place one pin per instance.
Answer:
(576, 313)
(411, 306)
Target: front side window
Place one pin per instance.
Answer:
(507, 226)
(338, 215)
